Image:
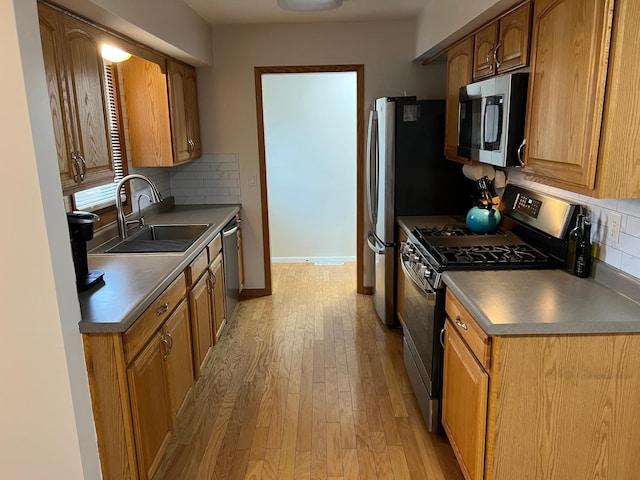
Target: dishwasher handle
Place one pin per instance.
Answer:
(231, 231)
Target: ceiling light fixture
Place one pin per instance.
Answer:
(114, 54)
(309, 5)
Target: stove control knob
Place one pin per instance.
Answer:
(414, 258)
(407, 248)
(426, 273)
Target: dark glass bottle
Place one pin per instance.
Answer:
(575, 235)
(583, 252)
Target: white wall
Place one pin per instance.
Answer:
(45, 419)
(310, 138)
(169, 26)
(46, 422)
(441, 23)
(227, 91)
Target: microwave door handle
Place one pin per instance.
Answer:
(483, 124)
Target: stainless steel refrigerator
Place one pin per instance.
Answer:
(406, 174)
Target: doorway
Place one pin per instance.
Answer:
(310, 151)
(298, 183)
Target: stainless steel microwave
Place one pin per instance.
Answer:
(491, 118)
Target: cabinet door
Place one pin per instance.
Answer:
(180, 359)
(201, 321)
(147, 100)
(192, 113)
(87, 97)
(181, 147)
(459, 69)
(218, 297)
(569, 55)
(150, 405)
(54, 72)
(513, 44)
(464, 404)
(484, 45)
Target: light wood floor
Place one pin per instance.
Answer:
(306, 384)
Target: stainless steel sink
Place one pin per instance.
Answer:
(160, 238)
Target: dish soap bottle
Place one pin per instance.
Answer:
(583, 252)
(575, 235)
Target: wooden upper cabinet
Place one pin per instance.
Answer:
(459, 74)
(512, 50)
(162, 109)
(484, 47)
(503, 45)
(77, 97)
(569, 55)
(183, 98)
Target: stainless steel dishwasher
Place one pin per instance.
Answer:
(230, 259)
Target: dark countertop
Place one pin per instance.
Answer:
(133, 281)
(538, 302)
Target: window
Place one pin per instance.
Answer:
(104, 196)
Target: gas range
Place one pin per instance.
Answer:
(535, 239)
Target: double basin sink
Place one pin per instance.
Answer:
(160, 239)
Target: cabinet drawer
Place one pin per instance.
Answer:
(476, 338)
(149, 322)
(197, 267)
(214, 247)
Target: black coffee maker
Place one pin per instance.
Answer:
(80, 232)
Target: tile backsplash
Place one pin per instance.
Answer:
(212, 179)
(623, 254)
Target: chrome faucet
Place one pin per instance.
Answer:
(155, 193)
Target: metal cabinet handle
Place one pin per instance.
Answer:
(167, 347)
(76, 167)
(170, 340)
(442, 335)
(495, 55)
(209, 281)
(162, 310)
(84, 167)
(520, 149)
(489, 59)
(460, 324)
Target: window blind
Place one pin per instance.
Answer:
(104, 196)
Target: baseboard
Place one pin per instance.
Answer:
(253, 293)
(315, 260)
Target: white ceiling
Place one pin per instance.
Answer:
(218, 12)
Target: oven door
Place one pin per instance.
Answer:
(423, 319)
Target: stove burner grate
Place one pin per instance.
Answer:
(502, 256)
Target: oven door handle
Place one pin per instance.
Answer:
(411, 275)
(374, 244)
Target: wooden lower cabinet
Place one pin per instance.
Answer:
(540, 406)
(139, 382)
(216, 271)
(180, 360)
(464, 411)
(201, 321)
(150, 404)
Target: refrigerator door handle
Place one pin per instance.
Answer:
(372, 166)
(374, 244)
